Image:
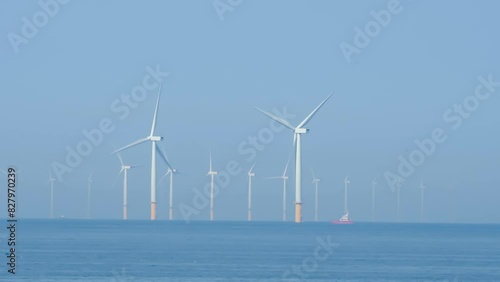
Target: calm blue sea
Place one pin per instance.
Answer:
(79, 250)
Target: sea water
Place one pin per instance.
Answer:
(102, 250)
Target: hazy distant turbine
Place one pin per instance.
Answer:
(212, 174)
(298, 131)
(422, 191)
(90, 180)
(398, 186)
(154, 149)
(374, 183)
(51, 180)
(285, 178)
(170, 171)
(250, 175)
(315, 182)
(346, 181)
(124, 169)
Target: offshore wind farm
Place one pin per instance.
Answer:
(233, 140)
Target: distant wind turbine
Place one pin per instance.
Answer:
(125, 169)
(297, 131)
(374, 183)
(398, 186)
(90, 180)
(315, 182)
(154, 149)
(422, 191)
(51, 180)
(212, 174)
(170, 172)
(285, 178)
(346, 181)
(250, 175)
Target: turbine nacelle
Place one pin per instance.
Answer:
(126, 167)
(213, 173)
(155, 138)
(301, 130)
(251, 174)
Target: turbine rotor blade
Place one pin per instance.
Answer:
(210, 160)
(120, 158)
(162, 155)
(4, 172)
(278, 119)
(132, 145)
(252, 167)
(309, 117)
(153, 127)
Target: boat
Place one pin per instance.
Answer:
(343, 220)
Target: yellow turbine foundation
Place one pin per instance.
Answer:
(153, 211)
(298, 212)
(124, 212)
(171, 214)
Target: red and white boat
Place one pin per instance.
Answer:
(343, 220)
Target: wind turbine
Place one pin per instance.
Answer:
(170, 171)
(422, 190)
(90, 180)
(51, 180)
(154, 149)
(212, 174)
(250, 175)
(297, 131)
(346, 181)
(125, 169)
(374, 183)
(398, 186)
(315, 182)
(285, 178)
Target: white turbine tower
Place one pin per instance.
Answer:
(398, 186)
(422, 191)
(346, 181)
(298, 131)
(212, 174)
(89, 181)
(51, 180)
(170, 172)
(124, 169)
(154, 149)
(315, 182)
(250, 175)
(285, 178)
(374, 183)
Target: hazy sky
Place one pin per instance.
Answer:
(69, 75)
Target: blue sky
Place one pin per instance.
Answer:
(270, 54)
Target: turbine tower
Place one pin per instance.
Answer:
(285, 178)
(250, 175)
(212, 174)
(346, 181)
(154, 149)
(51, 180)
(297, 131)
(125, 169)
(315, 182)
(422, 191)
(89, 181)
(374, 183)
(398, 186)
